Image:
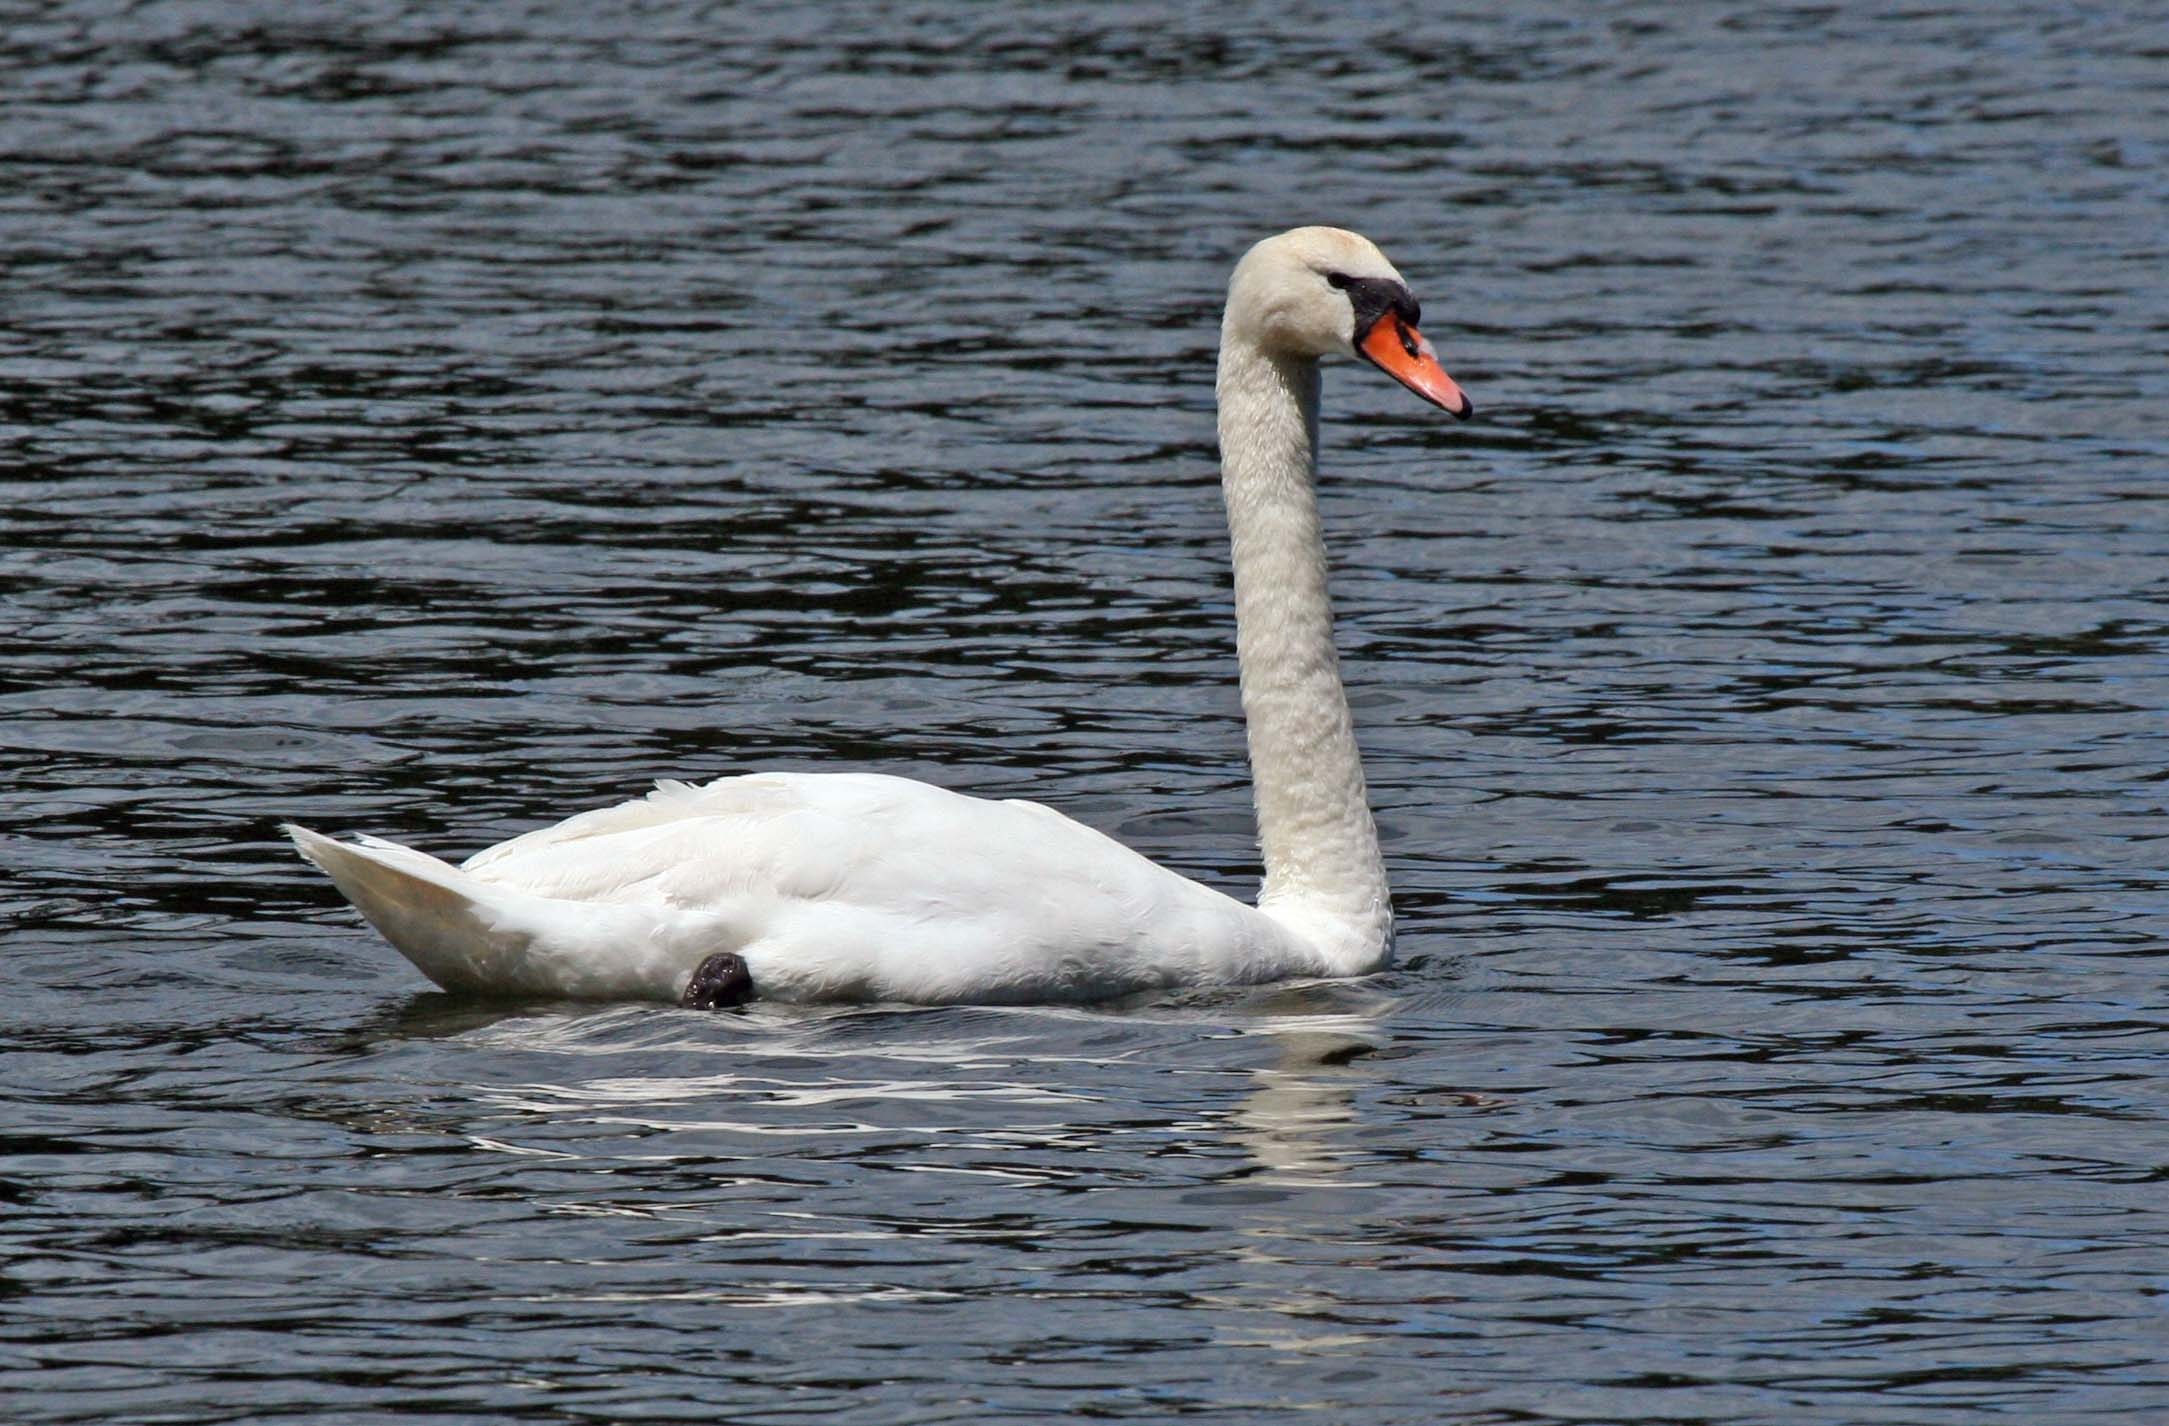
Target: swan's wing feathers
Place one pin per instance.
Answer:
(900, 847)
(769, 837)
(671, 801)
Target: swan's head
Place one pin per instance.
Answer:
(1319, 292)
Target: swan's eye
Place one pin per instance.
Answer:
(1374, 297)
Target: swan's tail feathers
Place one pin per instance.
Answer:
(433, 914)
(475, 936)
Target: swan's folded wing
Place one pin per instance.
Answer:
(671, 801)
(900, 849)
(771, 836)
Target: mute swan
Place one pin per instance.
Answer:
(853, 886)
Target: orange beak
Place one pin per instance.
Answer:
(1399, 350)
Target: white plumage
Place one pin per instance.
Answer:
(840, 886)
(854, 886)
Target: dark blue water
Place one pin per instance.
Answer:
(435, 419)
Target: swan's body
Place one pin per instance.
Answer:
(849, 886)
(836, 886)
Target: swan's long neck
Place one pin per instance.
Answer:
(1323, 873)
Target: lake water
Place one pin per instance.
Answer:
(433, 419)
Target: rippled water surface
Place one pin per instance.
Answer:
(433, 419)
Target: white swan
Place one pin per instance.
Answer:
(852, 886)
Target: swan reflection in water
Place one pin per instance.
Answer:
(1215, 1150)
(1293, 1123)
(1037, 1102)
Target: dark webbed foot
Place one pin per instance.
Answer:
(721, 982)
